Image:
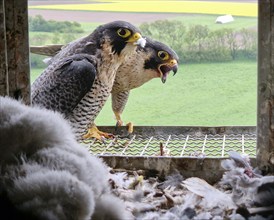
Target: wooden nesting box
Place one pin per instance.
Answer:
(15, 82)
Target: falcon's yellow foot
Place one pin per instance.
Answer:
(120, 123)
(94, 132)
(130, 127)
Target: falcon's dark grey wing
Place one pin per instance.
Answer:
(64, 83)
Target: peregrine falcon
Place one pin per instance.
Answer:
(154, 60)
(80, 77)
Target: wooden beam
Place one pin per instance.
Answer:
(265, 116)
(3, 53)
(17, 47)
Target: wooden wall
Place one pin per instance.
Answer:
(15, 69)
(265, 116)
(14, 50)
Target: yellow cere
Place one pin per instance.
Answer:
(200, 7)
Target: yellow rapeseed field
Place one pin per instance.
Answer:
(221, 8)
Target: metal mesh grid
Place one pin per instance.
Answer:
(177, 142)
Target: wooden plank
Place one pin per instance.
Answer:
(265, 116)
(16, 15)
(209, 169)
(3, 54)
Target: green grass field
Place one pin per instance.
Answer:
(210, 94)
(199, 95)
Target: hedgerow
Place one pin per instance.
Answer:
(197, 43)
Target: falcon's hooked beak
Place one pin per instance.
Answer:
(137, 39)
(165, 68)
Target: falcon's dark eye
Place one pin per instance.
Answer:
(123, 32)
(163, 55)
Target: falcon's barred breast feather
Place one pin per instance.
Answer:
(80, 76)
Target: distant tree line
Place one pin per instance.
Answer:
(38, 23)
(200, 44)
(193, 44)
(54, 32)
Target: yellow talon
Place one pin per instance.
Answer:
(130, 127)
(118, 119)
(119, 123)
(94, 132)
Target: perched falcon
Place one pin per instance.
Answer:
(80, 76)
(154, 60)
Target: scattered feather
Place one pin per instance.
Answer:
(212, 196)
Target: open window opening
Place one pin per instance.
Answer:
(210, 142)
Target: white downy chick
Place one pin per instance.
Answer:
(45, 173)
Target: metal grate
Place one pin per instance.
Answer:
(193, 151)
(172, 141)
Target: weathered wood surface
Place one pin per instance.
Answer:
(3, 54)
(265, 118)
(14, 58)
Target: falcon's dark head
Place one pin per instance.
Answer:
(120, 34)
(161, 59)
